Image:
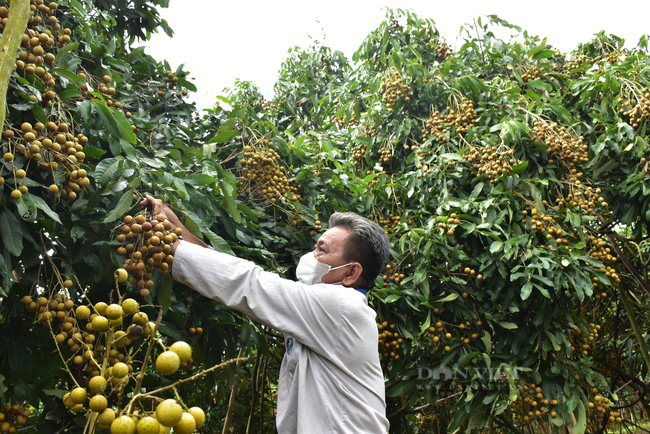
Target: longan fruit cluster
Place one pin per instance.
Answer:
(340, 121)
(389, 341)
(12, 416)
(393, 87)
(580, 343)
(266, 176)
(147, 242)
(530, 73)
(599, 408)
(262, 102)
(48, 146)
(385, 155)
(560, 142)
(461, 117)
(584, 197)
(389, 222)
(442, 51)
(359, 154)
(491, 161)
(547, 226)
(531, 404)
(392, 274)
(639, 111)
(451, 223)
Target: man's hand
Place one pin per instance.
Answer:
(159, 207)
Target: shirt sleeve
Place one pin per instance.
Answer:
(310, 313)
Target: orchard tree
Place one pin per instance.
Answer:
(509, 177)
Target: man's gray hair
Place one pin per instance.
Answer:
(368, 243)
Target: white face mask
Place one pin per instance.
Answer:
(310, 270)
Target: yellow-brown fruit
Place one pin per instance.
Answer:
(114, 311)
(120, 370)
(123, 425)
(98, 403)
(107, 79)
(167, 363)
(186, 425)
(169, 412)
(130, 306)
(106, 417)
(199, 416)
(148, 425)
(183, 350)
(16, 195)
(53, 189)
(97, 385)
(82, 312)
(100, 323)
(78, 395)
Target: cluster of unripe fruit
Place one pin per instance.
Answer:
(460, 117)
(638, 110)
(147, 242)
(530, 73)
(580, 343)
(392, 275)
(393, 87)
(584, 197)
(12, 416)
(442, 51)
(170, 81)
(450, 224)
(389, 341)
(263, 103)
(438, 335)
(560, 142)
(531, 404)
(48, 146)
(264, 173)
(359, 154)
(491, 161)
(340, 121)
(600, 408)
(545, 224)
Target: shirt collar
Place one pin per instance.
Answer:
(361, 290)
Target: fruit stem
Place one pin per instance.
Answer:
(145, 361)
(139, 396)
(58, 350)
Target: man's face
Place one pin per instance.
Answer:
(329, 250)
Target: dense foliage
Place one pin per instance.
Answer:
(510, 178)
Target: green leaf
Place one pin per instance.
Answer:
(228, 195)
(224, 136)
(519, 168)
(106, 169)
(107, 119)
(69, 93)
(402, 388)
(544, 54)
(69, 75)
(451, 297)
(540, 85)
(123, 205)
(12, 235)
(526, 290)
(595, 262)
(66, 49)
(93, 152)
(125, 127)
(508, 325)
(581, 423)
(496, 246)
(43, 206)
(165, 293)
(39, 114)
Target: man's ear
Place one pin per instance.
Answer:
(353, 276)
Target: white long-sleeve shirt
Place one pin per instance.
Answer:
(330, 379)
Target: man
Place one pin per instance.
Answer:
(330, 379)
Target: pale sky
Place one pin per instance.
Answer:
(220, 41)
